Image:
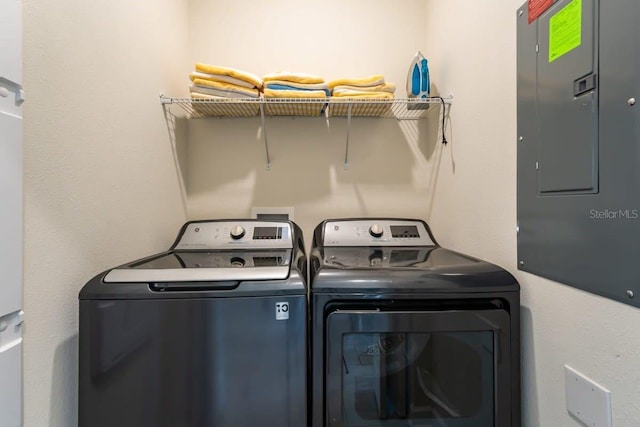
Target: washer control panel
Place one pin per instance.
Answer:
(376, 232)
(234, 259)
(236, 235)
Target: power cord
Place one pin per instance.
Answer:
(444, 116)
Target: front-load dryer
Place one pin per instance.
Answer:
(212, 332)
(406, 333)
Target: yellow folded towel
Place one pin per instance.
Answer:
(374, 80)
(386, 87)
(362, 94)
(268, 93)
(228, 87)
(231, 72)
(220, 78)
(293, 77)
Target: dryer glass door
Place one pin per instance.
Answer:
(411, 368)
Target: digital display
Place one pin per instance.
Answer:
(404, 231)
(262, 233)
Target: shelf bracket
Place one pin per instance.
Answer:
(264, 136)
(346, 152)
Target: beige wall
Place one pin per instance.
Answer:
(472, 47)
(100, 181)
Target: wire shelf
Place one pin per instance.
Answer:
(401, 109)
(310, 107)
(340, 107)
(221, 107)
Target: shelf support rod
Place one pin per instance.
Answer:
(346, 152)
(264, 136)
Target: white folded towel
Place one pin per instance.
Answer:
(221, 93)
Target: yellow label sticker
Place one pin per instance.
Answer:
(565, 30)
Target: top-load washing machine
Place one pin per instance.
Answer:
(406, 333)
(212, 332)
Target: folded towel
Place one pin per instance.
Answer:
(198, 95)
(227, 88)
(303, 86)
(272, 86)
(270, 93)
(221, 78)
(374, 80)
(201, 90)
(293, 77)
(362, 94)
(386, 87)
(231, 72)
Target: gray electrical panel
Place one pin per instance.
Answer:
(579, 146)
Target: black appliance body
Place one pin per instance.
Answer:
(406, 333)
(212, 332)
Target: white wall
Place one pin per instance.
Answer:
(392, 165)
(100, 181)
(472, 51)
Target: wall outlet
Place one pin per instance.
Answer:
(589, 402)
(278, 213)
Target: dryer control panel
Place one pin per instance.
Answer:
(376, 232)
(236, 235)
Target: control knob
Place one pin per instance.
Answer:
(237, 232)
(237, 262)
(376, 230)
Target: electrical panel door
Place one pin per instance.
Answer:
(579, 146)
(567, 101)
